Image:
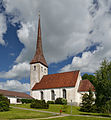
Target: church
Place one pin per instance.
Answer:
(68, 85)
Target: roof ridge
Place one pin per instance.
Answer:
(63, 72)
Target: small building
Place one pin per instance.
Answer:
(68, 85)
(14, 97)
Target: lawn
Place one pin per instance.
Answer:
(24, 114)
(67, 110)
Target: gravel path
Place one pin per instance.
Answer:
(54, 113)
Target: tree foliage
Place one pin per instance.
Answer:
(103, 86)
(4, 103)
(91, 78)
(87, 102)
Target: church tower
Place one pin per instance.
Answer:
(38, 65)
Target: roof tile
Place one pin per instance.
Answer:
(85, 86)
(58, 80)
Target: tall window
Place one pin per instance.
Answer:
(42, 95)
(52, 94)
(64, 93)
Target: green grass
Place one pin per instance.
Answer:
(22, 114)
(78, 118)
(56, 108)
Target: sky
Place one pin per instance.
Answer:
(76, 35)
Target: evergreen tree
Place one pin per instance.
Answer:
(87, 102)
(103, 86)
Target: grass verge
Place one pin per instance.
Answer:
(22, 114)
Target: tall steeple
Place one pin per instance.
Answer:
(39, 56)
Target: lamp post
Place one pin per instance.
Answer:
(71, 106)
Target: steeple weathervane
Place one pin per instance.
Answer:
(39, 57)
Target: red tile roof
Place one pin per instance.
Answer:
(14, 94)
(58, 80)
(39, 56)
(85, 86)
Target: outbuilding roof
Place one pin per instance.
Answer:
(14, 94)
(85, 86)
(58, 80)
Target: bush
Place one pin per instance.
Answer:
(61, 101)
(26, 101)
(50, 102)
(40, 104)
(4, 103)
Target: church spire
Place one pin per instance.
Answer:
(39, 57)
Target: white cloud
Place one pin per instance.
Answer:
(65, 30)
(88, 62)
(101, 33)
(65, 26)
(3, 28)
(15, 85)
(18, 71)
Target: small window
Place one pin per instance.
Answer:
(34, 68)
(42, 69)
(18, 100)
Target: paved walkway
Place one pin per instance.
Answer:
(54, 113)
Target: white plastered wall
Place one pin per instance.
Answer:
(36, 74)
(13, 100)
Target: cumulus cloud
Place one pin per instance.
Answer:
(63, 25)
(15, 85)
(68, 28)
(3, 28)
(101, 34)
(88, 62)
(18, 71)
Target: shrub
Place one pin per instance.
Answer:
(4, 103)
(41, 104)
(61, 101)
(50, 102)
(26, 101)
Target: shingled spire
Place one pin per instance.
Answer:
(39, 57)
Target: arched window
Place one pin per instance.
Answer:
(34, 68)
(42, 95)
(64, 93)
(52, 95)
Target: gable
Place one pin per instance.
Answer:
(58, 80)
(85, 86)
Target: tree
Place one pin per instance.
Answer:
(103, 85)
(91, 78)
(4, 103)
(87, 102)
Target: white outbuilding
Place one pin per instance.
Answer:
(14, 97)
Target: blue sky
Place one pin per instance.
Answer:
(76, 35)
